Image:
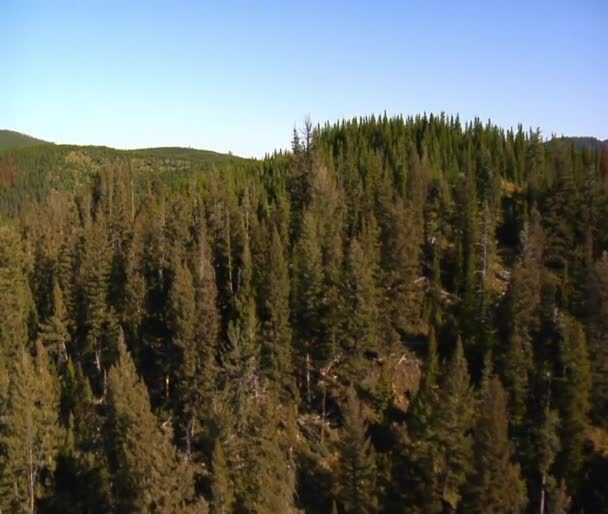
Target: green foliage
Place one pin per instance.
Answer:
(496, 485)
(30, 433)
(222, 496)
(574, 388)
(10, 139)
(204, 316)
(356, 477)
(150, 476)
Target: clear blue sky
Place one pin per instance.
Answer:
(236, 76)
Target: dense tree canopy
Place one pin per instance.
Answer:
(398, 315)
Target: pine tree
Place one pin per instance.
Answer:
(360, 312)
(266, 483)
(598, 339)
(560, 227)
(206, 333)
(496, 485)
(148, 474)
(276, 329)
(524, 318)
(356, 474)
(94, 284)
(469, 227)
(82, 458)
(573, 388)
(54, 333)
(30, 432)
(309, 344)
(180, 360)
(401, 262)
(442, 447)
(15, 304)
(454, 419)
(221, 488)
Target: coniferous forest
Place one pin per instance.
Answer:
(399, 315)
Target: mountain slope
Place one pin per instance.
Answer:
(592, 143)
(10, 139)
(29, 173)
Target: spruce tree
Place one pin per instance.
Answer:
(222, 496)
(356, 474)
(54, 332)
(30, 433)
(149, 476)
(598, 339)
(206, 335)
(401, 263)
(496, 485)
(524, 318)
(15, 304)
(454, 414)
(309, 344)
(276, 329)
(360, 330)
(442, 447)
(181, 360)
(573, 384)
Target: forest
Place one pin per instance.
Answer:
(398, 315)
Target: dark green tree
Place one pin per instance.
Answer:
(149, 475)
(496, 485)
(276, 329)
(573, 387)
(222, 495)
(30, 433)
(356, 474)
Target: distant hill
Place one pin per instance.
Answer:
(591, 142)
(29, 170)
(10, 139)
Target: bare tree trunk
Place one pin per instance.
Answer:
(189, 438)
(323, 414)
(132, 202)
(31, 481)
(308, 398)
(484, 262)
(229, 254)
(542, 494)
(105, 384)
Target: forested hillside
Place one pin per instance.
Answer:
(397, 316)
(11, 139)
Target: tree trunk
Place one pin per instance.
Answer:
(32, 479)
(308, 398)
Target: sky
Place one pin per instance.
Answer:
(238, 76)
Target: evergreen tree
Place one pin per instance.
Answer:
(148, 474)
(598, 339)
(574, 387)
(15, 304)
(267, 480)
(182, 359)
(54, 333)
(360, 313)
(206, 335)
(276, 330)
(94, 352)
(356, 477)
(401, 256)
(29, 434)
(524, 319)
(309, 343)
(496, 485)
(442, 450)
(221, 488)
